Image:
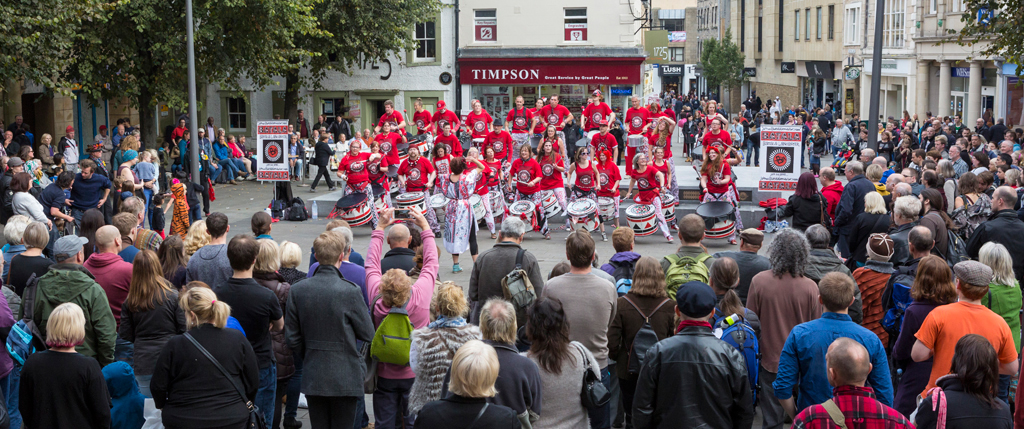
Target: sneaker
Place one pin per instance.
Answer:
(291, 423)
(332, 189)
(456, 268)
(604, 237)
(312, 191)
(232, 182)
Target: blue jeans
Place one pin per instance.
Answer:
(239, 165)
(148, 193)
(291, 406)
(124, 351)
(391, 403)
(601, 418)
(214, 171)
(268, 388)
(1003, 391)
(10, 385)
(815, 160)
(363, 420)
(751, 153)
(195, 213)
(230, 166)
(144, 381)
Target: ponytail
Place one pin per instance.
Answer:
(203, 304)
(725, 276)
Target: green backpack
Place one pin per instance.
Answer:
(685, 269)
(393, 339)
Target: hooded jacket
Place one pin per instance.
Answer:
(283, 354)
(620, 258)
(127, 402)
(114, 275)
(66, 282)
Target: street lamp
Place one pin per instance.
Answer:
(876, 77)
(193, 124)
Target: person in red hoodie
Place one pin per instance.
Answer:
(831, 189)
(114, 275)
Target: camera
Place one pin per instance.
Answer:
(403, 214)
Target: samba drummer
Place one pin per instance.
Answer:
(664, 166)
(608, 184)
(716, 179)
(459, 222)
(649, 182)
(586, 183)
(552, 136)
(441, 159)
(662, 129)
(416, 174)
(638, 118)
(719, 138)
(555, 114)
(539, 125)
(596, 113)
(552, 169)
(377, 168)
(604, 140)
(448, 140)
(479, 121)
(519, 121)
(352, 170)
(500, 140)
(527, 174)
(444, 116)
(388, 140)
(494, 177)
(422, 118)
(390, 117)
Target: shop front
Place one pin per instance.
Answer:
(961, 98)
(818, 83)
(671, 77)
(496, 79)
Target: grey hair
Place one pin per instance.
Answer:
(902, 189)
(345, 232)
(907, 207)
(818, 236)
(788, 253)
(513, 227)
(855, 168)
(498, 321)
(945, 169)
(14, 231)
(998, 258)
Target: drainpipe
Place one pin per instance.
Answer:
(458, 81)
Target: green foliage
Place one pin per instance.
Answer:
(722, 62)
(1001, 36)
(37, 36)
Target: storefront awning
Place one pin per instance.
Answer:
(819, 69)
(596, 70)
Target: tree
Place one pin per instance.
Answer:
(137, 49)
(38, 36)
(722, 62)
(1000, 30)
(355, 32)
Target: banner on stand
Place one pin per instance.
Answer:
(272, 151)
(780, 157)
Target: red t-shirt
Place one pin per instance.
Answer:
(378, 170)
(724, 174)
(489, 177)
(452, 145)
(713, 139)
(550, 177)
(446, 117)
(479, 123)
(443, 167)
(524, 172)
(595, 113)
(389, 146)
(554, 145)
(520, 120)
(608, 178)
(501, 142)
(355, 168)
(416, 174)
(539, 129)
(422, 120)
(638, 119)
(654, 138)
(602, 142)
(554, 116)
(647, 185)
(663, 168)
(586, 178)
(394, 118)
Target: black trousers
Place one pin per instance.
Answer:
(325, 172)
(332, 412)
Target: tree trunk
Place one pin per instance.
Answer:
(291, 97)
(147, 120)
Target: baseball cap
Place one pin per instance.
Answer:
(973, 273)
(603, 123)
(695, 299)
(440, 104)
(14, 162)
(68, 245)
(69, 128)
(103, 127)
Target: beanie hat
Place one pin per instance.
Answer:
(130, 154)
(880, 247)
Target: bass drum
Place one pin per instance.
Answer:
(643, 218)
(719, 218)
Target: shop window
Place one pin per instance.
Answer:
(673, 24)
(893, 24)
(675, 54)
(576, 25)
(426, 42)
(818, 23)
(807, 24)
(237, 115)
(781, 27)
(831, 22)
(485, 25)
(760, 23)
(796, 24)
(743, 25)
(851, 32)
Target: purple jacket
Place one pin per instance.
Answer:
(915, 374)
(620, 257)
(6, 321)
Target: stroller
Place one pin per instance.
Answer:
(844, 156)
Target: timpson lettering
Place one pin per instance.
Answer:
(506, 74)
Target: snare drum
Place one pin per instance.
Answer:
(526, 210)
(353, 209)
(637, 140)
(477, 142)
(497, 203)
(583, 214)
(438, 202)
(477, 203)
(412, 200)
(643, 218)
(425, 145)
(606, 208)
(668, 206)
(719, 218)
(550, 203)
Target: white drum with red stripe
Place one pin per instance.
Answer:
(583, 214)
(550, 203)
(438, 202)
(525, 209)
(412, 200)
(668, 206)
(477, 203)
(643, 218)
(354, 209)
(497, 203)
(606, 208)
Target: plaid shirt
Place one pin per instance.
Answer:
(859, 406)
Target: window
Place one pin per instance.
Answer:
(673, 24)
(760, 22)
(237, 115)
(743, 25)
(485, 25)
(796, 25)
(818, 22)
(831, 22)
(807, 24)
(933, 6)
(893, 24)
(675, 54)
(576, 25)
(781, 23)
(851, 31)
(426, 41)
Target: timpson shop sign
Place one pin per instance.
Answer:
(615, 71)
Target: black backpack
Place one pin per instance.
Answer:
(644, 339)
(277, 209)
(623, 274)
(296, 211)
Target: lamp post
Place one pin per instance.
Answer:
(876, 76)
(193, 125)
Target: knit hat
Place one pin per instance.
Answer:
(973, 273)
(880, 247)
(130, 154)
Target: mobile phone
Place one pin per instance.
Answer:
(403, 214)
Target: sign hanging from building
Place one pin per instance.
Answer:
(750, 71)
(656, 46)
(575, 32)
(272, 159)
(780, 157)
(676, 36)
(819, 69)
(551, 71)
(486, 30)
(670, 70)
(789, 67)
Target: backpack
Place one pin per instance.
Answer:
(739, 334)
(973, 213)
(956, 251)
(296, 211)
(644, 339)
(896, 299)
(516, 286)
(685, 269)
(277, 209)
(25, 337)
(623, 274)
(393, 339)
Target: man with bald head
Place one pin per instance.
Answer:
(401, 255)
(849, 366)
(1004, 227)
(114, 275)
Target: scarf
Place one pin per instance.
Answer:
(687, 323)
(444, 322)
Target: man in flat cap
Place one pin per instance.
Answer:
(693, 379)
(946, 324)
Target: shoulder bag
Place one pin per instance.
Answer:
(835, 413)
(594, 394)
(256, 420)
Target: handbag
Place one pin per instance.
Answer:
(826, 219)
(370, 377)
(256, 420)
(594, 393)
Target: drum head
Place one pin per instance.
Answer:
(350, 200)
(582, 207)
(438, 201)
(605, 201)
(639, 211)
(715, 209)
(411, 197)
(521, 207)
(377, 188)
(475, 199)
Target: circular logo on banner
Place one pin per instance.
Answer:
(520, 121)
(273, 151)
(548, 169)
(357, 166)
(414, 174)
(604, 179)
(596, 117)
(780, 159)
(553, 119)
(479, 126)
(636, 122)
(420, 124)
(497, 145)
(643, 183)
(523, 176)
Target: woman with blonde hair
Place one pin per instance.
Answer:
(291, 257)
(52, 376)
(264, 272)
(646, 301)
(45, 151)
(433, 346)
(1004, 296)
(150, 315)
(873, 219)
(197, 237)
(473, 373)
(188, 386)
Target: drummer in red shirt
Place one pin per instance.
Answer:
(716, 179)
(442, 164)
(447, 138)
(500, 140)
(608, 182)
(555, 114)
(649, 182)
(716, 136)
(527, 174)
(586, 182)
(538, 124)
(390, 116)
(389, 141)
(422, 118)
(661, 137)
(551, 167)
(444, 116)
(518, 121)
(595, 113)
(637, 120)
(479, 121)
(352, 169)
(490, 180)
(604, 141)
(416, 174)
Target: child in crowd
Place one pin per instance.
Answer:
(147, 172)
(156, 223)
(127, 190)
